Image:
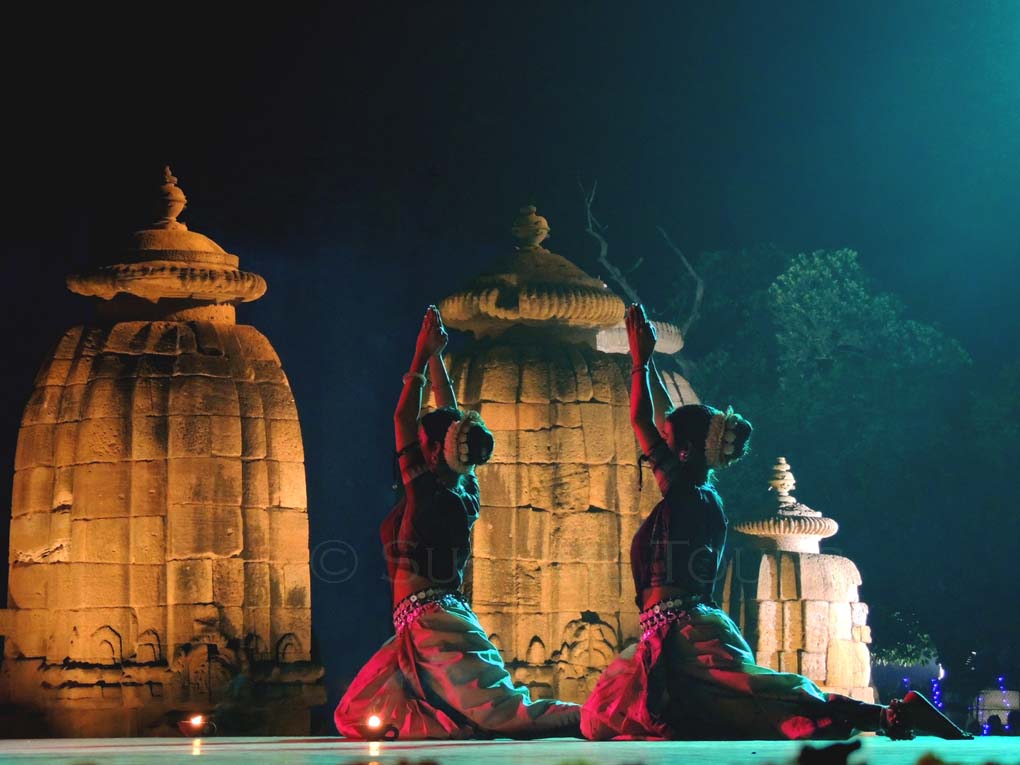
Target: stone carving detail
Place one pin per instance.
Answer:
(801, 612)
(149, 648)
(159, 506)
(289, 649)
(536, 651)
(561, 500)
(108, 645)
(587, 644)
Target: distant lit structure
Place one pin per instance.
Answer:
(799, 608)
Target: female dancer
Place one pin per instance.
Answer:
(692, 675)
(439, 677)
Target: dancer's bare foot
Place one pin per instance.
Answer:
(916, 713)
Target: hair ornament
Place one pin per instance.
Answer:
(455, 445)
(721, 440)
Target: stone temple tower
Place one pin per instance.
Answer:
(550, 577)
(159, 531)
(799, 608)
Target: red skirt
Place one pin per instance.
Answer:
(439, 677)
(695, 678)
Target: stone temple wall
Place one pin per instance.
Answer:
(159, 505)
(550, 578)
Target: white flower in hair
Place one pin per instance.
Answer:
(721, 441)
(455, 445)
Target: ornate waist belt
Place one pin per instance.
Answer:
(407, 611)
(666, 612)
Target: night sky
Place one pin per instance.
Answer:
(367, 162)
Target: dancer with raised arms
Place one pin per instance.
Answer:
(692, 674)
(439, 677)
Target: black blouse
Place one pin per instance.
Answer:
(680, 544)
(428, 532)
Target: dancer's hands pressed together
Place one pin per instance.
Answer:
(432, 336)
(435, 338)
(641, 335)
(431, 341)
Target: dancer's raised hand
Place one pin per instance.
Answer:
(641, 334)
(432, 336)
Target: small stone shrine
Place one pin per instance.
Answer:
(798, 608)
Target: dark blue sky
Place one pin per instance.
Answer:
(368, 161)
(890, 127)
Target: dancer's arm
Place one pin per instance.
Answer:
(431, 338)
(662, 404)
(641, 337)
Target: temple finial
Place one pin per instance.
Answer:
(530, 228)
(784, 483)
(172, 202)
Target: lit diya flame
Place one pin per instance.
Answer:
(374, 722)
(197, 720)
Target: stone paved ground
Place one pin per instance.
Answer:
(330, 751)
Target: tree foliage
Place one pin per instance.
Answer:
(902, 642)
(833, 375)
(873, 408)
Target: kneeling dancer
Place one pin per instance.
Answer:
(439, 677)
(692, 674)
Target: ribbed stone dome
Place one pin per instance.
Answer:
(536, 287)
(169, 262)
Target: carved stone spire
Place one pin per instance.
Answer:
(794, 527)
(172, 269)
(173, 202)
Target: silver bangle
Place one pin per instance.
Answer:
(414, 376)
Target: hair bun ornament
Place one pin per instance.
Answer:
(455, 446)
(721, 441)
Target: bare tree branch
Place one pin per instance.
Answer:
(699, 285)
(596, 230)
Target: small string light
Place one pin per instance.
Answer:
(1005, 699)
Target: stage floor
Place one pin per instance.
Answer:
(335, 751)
